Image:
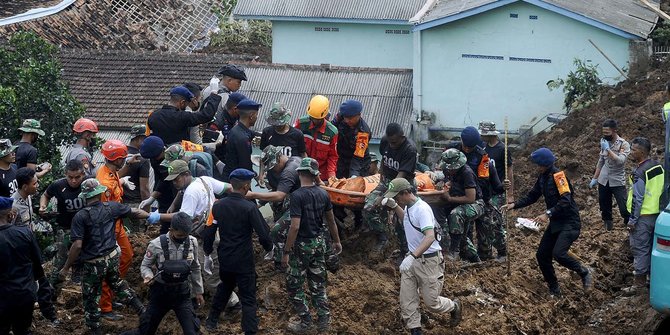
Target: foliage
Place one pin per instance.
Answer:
(31, 87)
(661, 35)
(580, 86)
(236, 36)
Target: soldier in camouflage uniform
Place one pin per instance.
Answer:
(305, 252)
(465, 204)
(93, 239)
(283, 180)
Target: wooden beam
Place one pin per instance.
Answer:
(658, 11)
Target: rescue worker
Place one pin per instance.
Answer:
(138, 174)
(464, 205)
(176, 151)
(496, 152)
(93, 239)
(374, 164)
(283, 180)
(68, 203)
(644, 196)
(280, 133)
(352, 148)
(562, 215)
(171, 122)
(171, 269)
(398, 161)
(422, 269)
(115, 154)
(221, 126)
(7, 168)
(198, 196)
(21, 266)
(229, 82)
(305, 251)
(85, 130)
(236, 219)
(489, 183)
(193, 106)
(163, 192)
(238, 147)
(26, 153)
(26, 181)
(666, 106)
(610, 175)
(320, 136)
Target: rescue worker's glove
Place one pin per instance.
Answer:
(209, 264)
(154, 217)
(604, 145)
(593, 182)
(214, 84)
(406, 263)
(389, 202)
(125, 181)
(147, 203)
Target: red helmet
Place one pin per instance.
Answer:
(114, 149)
(83, 125)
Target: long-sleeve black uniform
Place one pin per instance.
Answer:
(171, 124)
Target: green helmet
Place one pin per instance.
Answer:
(279, 115)
(453, 159)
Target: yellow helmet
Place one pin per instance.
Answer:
(318, 107)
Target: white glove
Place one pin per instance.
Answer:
(209, 264)
(219, 139)
(406, 263)
(214, 84)
(125, 181)
(146, 203)
(389, 202)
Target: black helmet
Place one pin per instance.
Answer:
(233, 71)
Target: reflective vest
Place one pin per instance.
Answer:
(653, 189)
(666, 110)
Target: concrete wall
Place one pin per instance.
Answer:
(364, 45)
(466, 73)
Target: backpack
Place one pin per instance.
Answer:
(175, 270)
(204, 159)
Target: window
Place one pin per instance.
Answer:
(514, 15)
(533, 17)
(483, 57)
(397, 32)
(530, 60)
(327, 29)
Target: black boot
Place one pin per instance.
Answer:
(587, 278)
(415, 331)
(608, 225)
(137, 305)
(555, 290)
(457, 312)
(212, 321)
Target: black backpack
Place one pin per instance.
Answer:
(175, 271)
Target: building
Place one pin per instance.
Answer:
(374, 33)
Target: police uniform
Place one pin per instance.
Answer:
(238, 146)
(564, 221)
(178, 275)
(224, 122)
(79, 153)
(236, 218)
(352, 143)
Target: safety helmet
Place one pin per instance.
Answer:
(318, 107)
(453, 159)
(83, 125)
(114, 149)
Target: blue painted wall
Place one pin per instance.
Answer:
(363, 45)
(485, 84)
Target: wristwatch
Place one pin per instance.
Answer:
(548, 212)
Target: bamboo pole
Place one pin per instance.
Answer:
(509, 252)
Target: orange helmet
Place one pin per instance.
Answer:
(83, 125)
(114, 149)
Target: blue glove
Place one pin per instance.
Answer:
(154, 217)
(604, 145)
(593, 182)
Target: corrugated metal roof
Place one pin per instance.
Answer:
(340, 9)
(630, 16)
(120, 88)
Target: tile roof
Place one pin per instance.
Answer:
(120, 88)
(401, 10)
(630, 16)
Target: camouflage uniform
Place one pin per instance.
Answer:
(95, 271)
(461, 221)
(499, 236)
(376, 217)
(308, 262)
(62, 245)
(279, 232)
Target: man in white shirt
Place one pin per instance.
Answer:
(197, 196)
(422, 270)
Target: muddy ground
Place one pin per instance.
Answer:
(363, 295)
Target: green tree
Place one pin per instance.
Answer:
(580, 86)
(31, 86)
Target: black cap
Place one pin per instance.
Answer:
(233, 71)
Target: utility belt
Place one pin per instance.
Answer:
(430, 255)
(109, 256)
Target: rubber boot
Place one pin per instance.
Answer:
(639, 286)
(301, 327)
(457, 312)
(323, 324)
(212, 321)
(587, 278)
(609, 225)
(415, 331)
(137, 305)
(96, 331)
(555, 290)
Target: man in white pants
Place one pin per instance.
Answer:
(422, 270)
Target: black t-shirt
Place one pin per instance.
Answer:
(288, 180)
(68, 200)
(136, 171)
(165, 188)
(497, 154)
(94, 226)
(293, 141)
(25, 154)
(8, 185)
(398, 160)
(465, 178)
(310, 204)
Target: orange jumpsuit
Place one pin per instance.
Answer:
(114, 192)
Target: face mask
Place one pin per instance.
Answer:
(179, 240)
(93, 142)
(608, 138)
